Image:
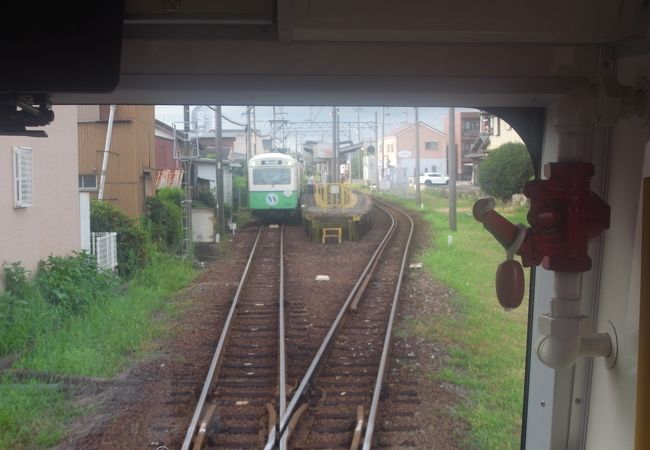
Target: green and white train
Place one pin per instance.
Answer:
(274, 185)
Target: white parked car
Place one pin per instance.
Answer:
(431, 178)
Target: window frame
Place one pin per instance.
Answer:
(84, 188)
(426, 145)
(23, 181)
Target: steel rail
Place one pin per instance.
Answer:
(282, 369)
(306, 379)
(282, 402)
(218, 354)
(383, 365)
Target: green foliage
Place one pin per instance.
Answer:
(132, 252)
(16, 279)
(73, 282)
(240, 192)
(172, 195)
(505, 171)
(356, 165)
(32, 415)
(12, 304)
(109, 334)
(204, 199)
(63, 288)
(164, 222)
(99, 342)
(485, 347)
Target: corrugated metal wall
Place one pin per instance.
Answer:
(165, 154)
(132, 153)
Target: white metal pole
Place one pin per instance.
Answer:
(107, 147)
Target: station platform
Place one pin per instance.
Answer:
(335, 221)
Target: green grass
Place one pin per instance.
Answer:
(486, 345)
(31, 416)
(100, 342)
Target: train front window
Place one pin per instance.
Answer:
(274, 176)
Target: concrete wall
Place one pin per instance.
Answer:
(52, 224)
(202, 225)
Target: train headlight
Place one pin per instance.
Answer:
(287, 193)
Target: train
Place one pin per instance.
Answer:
(274, 186)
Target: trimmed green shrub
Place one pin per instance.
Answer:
(132, 250)
(505, 171)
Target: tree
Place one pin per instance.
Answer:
(505, 171)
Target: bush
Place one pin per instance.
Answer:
(505, 171)
(73, 282)
(132, 250)
(204, 199)
(16, 279)
(240, 192)
(164, 221)
(172, 195)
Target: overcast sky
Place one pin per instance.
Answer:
(394, 117)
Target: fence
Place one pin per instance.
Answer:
(401, 184)
(104, 247)
(333, 195)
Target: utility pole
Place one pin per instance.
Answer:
(218, 142)
(273, 129)
(375, 169)
(383, 142)
(359, 169)
(186, 118)
(451, 156)
(254, 132)
(335, 146)
(248, 147)
(418, 198)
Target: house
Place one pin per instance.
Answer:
(204, 176)
(399, 149)
(467, 130)
(39, 194)
(494, 132)
(164, 143)
(131, 157)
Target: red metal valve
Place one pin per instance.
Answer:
(564, 215)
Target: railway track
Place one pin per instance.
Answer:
(336, 402)
(244, 377)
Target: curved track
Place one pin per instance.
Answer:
(339, 396)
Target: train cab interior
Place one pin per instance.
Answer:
(573, 78)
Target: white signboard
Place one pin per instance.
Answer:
(404, 154)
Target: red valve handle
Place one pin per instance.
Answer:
(510, 284)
